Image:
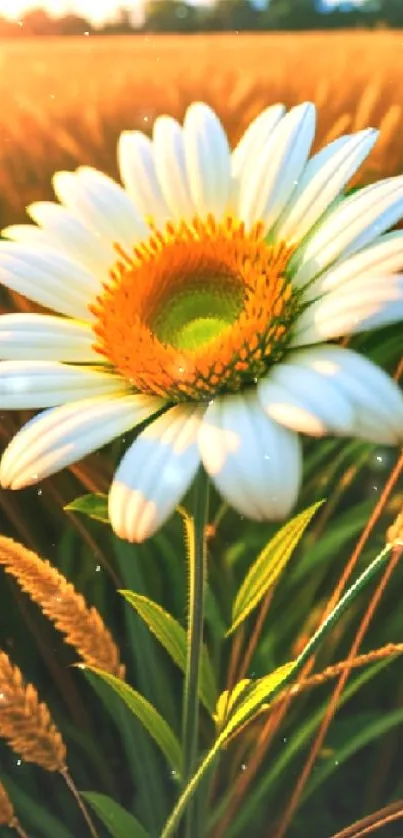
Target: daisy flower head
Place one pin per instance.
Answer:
(202, 300)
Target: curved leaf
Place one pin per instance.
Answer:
(269, 565)
(117, 820)
(95, 505)
(147, 714)
(173, 637)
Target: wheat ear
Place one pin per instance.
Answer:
(7, 815)
(26, 722)
(82, 626)
(6, 808)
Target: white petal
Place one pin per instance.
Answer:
(34, 384)
(27, 234)
(137, 170)
(324, 177)
(276, 172)
(170, 165)
(376, 399)
(254, 140)
(303, 400)
(354, 223)
(64, 230)
(354, 307)
(208, 160)
(387, 314)
(48, 278)
(42, 337)
(155, 473)
(102, 205)
(63, 435)
(382, 257)
(254, 462)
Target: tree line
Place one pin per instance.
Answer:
(221, 16)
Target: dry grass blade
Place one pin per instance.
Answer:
(83, 627)
(390, 813)
(26, 722)
(335, 669)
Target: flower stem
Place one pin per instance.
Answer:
(197, 583)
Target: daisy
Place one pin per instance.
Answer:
(200, 301)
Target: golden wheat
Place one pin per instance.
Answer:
(82, 627)
(47, 122)
(26, 722)
(6, 808)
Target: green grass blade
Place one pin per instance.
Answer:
(119, 822)
(383, 724)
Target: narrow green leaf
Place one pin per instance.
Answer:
(269, 565)
(117, 820)
(94, 505)
(173, 637)
(148, 716)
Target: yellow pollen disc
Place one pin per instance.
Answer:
(198, 309)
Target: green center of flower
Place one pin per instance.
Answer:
(196, 316)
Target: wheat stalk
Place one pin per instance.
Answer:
(26, 722)
(83, 627)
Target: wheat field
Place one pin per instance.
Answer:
(64, 101)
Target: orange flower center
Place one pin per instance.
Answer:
(199, 309)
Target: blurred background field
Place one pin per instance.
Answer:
(63, 102)
(75, 95)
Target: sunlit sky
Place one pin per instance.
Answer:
(95, 10)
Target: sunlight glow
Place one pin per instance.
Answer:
(94, 10)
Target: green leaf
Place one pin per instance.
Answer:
(147, 714)
(119, 823)
(269, 565)
(173, 637)
(94, 505)
(228, 700)
(255, 698)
